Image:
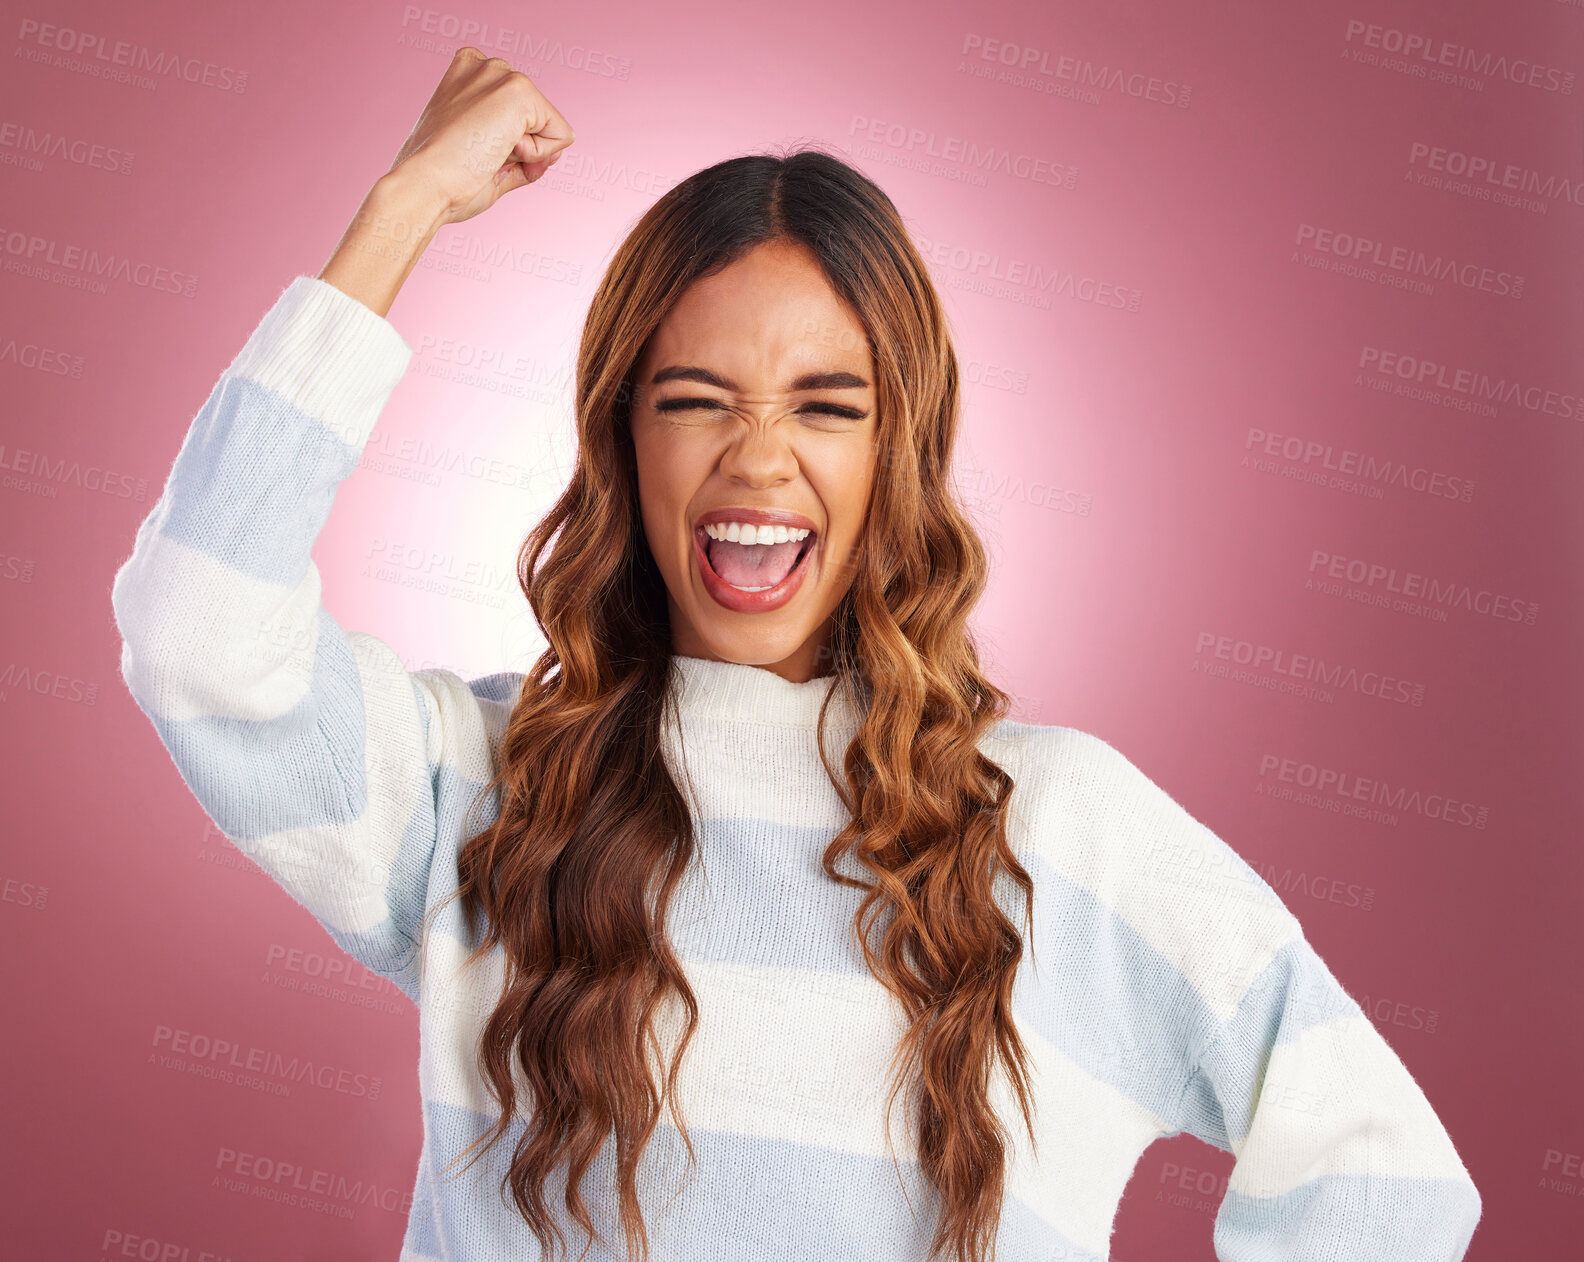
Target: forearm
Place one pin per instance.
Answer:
(383, 243)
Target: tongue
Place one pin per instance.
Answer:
(753, 564)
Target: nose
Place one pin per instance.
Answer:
(759, 455)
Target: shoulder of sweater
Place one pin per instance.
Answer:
(1076, 779)
(1081, 769)
(1086, 810)
(1047, 754)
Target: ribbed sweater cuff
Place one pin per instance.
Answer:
(329, 355)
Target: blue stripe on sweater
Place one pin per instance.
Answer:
(300, 769)
(771, 1197)
(1294, 993)
(1350, 1216)
(851, 1206)
(263, 525)
(422, 1236)
(1103, 996)
(304, 769)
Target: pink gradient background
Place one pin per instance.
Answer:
(122, 913)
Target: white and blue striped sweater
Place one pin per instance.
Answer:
(1168, 988)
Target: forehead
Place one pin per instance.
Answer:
(759, 321)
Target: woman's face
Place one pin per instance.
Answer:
(754, 406)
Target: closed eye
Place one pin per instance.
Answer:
(715, 405)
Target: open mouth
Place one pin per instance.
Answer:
(746, 575)
(755, 567)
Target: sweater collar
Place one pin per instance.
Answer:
(708, 689)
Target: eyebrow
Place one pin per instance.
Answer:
(808, 381)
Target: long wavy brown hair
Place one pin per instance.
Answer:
(574, 875)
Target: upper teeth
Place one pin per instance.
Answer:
(747, 532)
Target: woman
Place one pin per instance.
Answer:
(752, 852)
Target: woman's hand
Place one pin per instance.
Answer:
(486, 131)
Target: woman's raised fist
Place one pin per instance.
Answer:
(486, 130)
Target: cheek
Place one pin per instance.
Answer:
(844, 487)
(667, 483)
(651, 493)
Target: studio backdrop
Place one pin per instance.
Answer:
(1269, 327)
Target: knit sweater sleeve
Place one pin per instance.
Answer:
(1339, 1153)
(312, 748)
(1240, 1034)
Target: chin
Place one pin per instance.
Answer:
(752, 646)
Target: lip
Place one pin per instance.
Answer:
(758, 516)
(734, 598)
